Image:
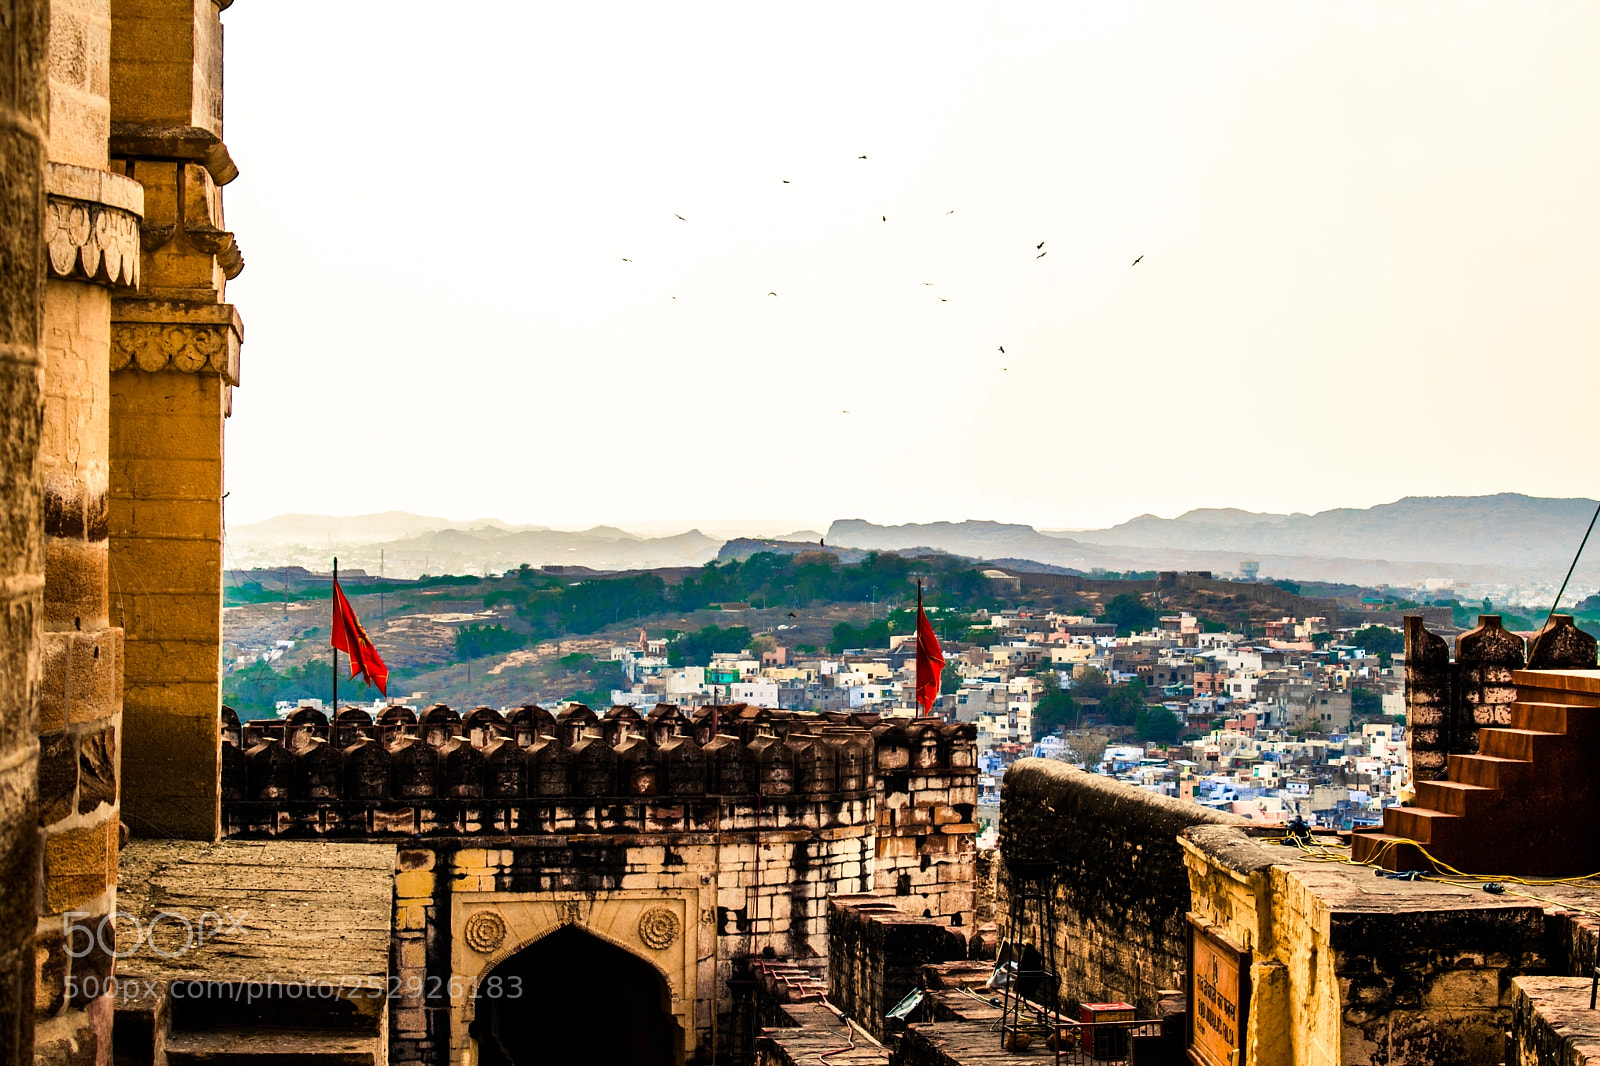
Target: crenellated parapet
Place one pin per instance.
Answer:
(1449, 700)
(531, 771)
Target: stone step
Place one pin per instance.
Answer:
(1434, 828)
(1523, 744)
(1555, 717)
(1456, 797)
(1387, 850)
(1489, 771)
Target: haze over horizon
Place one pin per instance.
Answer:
(1369, 240)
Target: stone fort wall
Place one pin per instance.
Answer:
(728, 829)
(1121, 886)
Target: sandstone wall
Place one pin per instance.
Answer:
(174, 363)
(729, 899)
(740, 821)
(24, 118)
(1344, 969)
(1121, 890)
(92, 250)
(926, 829)
(875, 953)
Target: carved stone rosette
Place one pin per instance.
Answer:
(659, 928)
(91, 226)
(485, 931)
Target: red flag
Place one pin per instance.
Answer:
(350, 638)
(930, 660)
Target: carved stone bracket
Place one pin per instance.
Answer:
(189, 144)
(156, 335)
(91, 225)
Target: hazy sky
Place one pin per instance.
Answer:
(1370, 234)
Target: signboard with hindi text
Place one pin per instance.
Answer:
(1219, 996)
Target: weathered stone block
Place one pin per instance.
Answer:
(97, 769)
(82, 677)
(414, 884)
(58, 776)
(79, 864)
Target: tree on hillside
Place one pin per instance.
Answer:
(696, 649)
(473, 642)
(1379, 640)
(1090, 684)
(1056, 708)
(1129, 613)
(1157, 723)
(1122, 705)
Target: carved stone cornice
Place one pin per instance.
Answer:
(188, 338)
(187, 144)
(91, 225)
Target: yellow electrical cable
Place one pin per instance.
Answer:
(1320, 853)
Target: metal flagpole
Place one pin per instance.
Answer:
(333, 601)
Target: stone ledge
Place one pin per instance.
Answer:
(95, 186)
(227, 1047)
(1553, 1023)
(290, 928)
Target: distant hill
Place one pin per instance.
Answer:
(1507, 538)
(978, 540)
(1508, 529)
(601, 548)
(1484, 540)
(351, 529)
(407, 545)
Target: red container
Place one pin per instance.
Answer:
(1108, 1042)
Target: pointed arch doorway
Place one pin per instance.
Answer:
(572, 999)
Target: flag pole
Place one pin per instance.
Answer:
(333, 602)
(916, 693)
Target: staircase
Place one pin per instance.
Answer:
(1524, 805)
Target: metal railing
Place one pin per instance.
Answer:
(1101, 1042)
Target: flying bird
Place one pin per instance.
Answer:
(1041, 255)
(772, 294)
(951, 211)
(1038, 246)
(679, 217)
(1002, 349)
(861, 157)
(1136, 261)
(786, 181)
(627, 260)
(886, 218)
(943, 300)
(927, 283)
(791, 613)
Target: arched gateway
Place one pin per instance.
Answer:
(572, 999)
